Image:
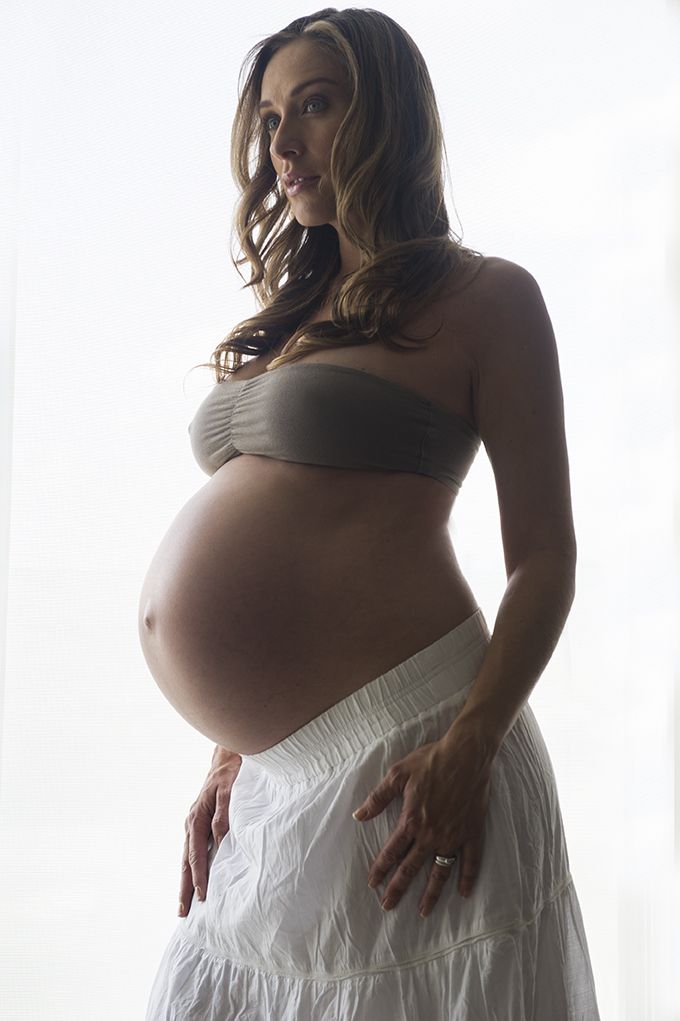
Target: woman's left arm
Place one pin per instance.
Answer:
(520, 416)
(445, 786)
(530, 620)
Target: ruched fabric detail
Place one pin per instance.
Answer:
(332, 415)
(290, 930)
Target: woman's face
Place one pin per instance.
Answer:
(301, 123)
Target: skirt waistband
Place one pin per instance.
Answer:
(426, 678)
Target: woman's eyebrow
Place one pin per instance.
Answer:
(299, 88)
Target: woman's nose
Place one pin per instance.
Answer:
(282, 145)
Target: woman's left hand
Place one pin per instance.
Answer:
(445, 787)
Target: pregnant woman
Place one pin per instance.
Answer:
(306, 611)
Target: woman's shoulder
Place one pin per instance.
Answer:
(510, 316)
(488, 308)
(501, 277)
(493, 271)
(489, 289)
(474, 276)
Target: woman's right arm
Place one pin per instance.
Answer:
(208, 818)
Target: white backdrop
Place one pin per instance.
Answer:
(115, 279)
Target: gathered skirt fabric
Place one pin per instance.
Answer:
(290, 930)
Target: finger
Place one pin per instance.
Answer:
(199, 833)
(393, 853)
(470, 862)
(220, 822)
(381, 795)
(438, 878)
(186, 889)
(409, 868)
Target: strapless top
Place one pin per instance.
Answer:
(335, 415)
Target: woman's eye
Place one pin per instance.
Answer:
(266, 120)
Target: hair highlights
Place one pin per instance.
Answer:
(387, 174)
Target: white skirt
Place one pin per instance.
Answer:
(290, 930)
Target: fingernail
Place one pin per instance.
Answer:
(359, 814)
(387, 904)
(199, 892)
(181, 908)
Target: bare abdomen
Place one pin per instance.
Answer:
(280, 588)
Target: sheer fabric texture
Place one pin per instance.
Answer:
(290, 931)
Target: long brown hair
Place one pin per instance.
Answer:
(386, 170)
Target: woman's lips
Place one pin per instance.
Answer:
(293, 189)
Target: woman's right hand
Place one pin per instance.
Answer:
(208, 816)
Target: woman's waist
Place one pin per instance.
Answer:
(326, 497)
(366, 603)
(361, 579)
(374, 531)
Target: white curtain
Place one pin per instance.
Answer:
(116, 204)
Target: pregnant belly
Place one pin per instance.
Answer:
(268, 601)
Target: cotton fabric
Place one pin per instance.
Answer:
(290, 931)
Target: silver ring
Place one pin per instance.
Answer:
(441, 860)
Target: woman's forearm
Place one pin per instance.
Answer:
(530, 620)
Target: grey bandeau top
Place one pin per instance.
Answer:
(327, 414)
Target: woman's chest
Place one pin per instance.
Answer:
(433, 359)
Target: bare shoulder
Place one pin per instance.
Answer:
(480, 292)
(504, 309)
(504, 281)
(495, 283)
(481, 309)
